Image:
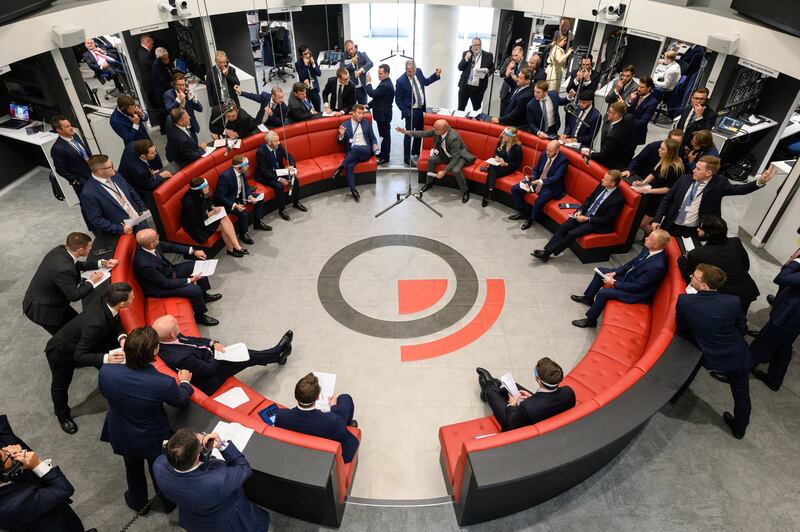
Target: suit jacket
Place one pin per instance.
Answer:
(280, 113)
(156, 273)
(536, 119)
(616, 144)
(382, 100)
(244, 124)
(197, 357)
(517, 108)
(137, 172)
(225, 193)
(583, 85)
(606, 215)
(638, 279)
(716, 323)
(453, 143)
(145, 58)
(366, 129)
(642, 165)
(729, 256)
(211, 498)
(587, 131)
(642, 111)
(192, 107)
(267, 164)
(90, 335)
(710, 201)
(785, 311)
(162, 82)
(123, 126)
(612, 96)
(554, 182)
(540, 406)
(509, 84)
(322, 424)
(348, 95)
(136, 424)
(305, 72)
(707, 121)
(70, 164)
(214, 79)
(465, 67)
(299, 112)
(182, 148)
(404, 93)
(56, 283)
(194, 212)
(91, 62)
(100, 209)
(363, 62)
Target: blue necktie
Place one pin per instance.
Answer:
(687, 200)
(637, 261)
(79, 147)
(597, 202)
(308, 103)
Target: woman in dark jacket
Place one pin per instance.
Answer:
(664, 174)
(196, 208)
(508, 156)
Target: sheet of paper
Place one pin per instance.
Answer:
(238, 434)
(205, 268)
(233, 353)
(460, 114)
(233, 397)
(642, 187)
(688, 243)
(282, 172)
(492, 161)
(601, 274)
(525, 185)
(219, 216)
(510, 384)
(480, 73)
(106, 275)
(209, 151)
(139, 219)
(260, 197)
(233, 143)
(327, 384)
(573, 145)
(262, 128)
(444, 111)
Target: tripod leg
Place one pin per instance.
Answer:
(419, 199)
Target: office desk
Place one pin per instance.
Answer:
(793, 127)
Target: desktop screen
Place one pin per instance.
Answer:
(19, 111)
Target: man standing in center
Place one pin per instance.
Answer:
(359, 145)
(381, 106)
(410, 99)
(476, 68)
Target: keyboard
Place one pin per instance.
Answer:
(14, 124)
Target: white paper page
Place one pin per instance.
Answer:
(459, 114)
(510, 384)
(327, 113)
(642, 187)
(444, 111)
(327, 384)
(233, 353)
(573, 145)
(262, 128)
(282, 172)
(205, 267)
(139, 219)
(260, 197)
(480, 73)
(601, 274)
(238, 434)
(233, 397)
(525, 186)
(688, 243)
(219, 216)
(492, 161)
(209, 151)
(106, 275)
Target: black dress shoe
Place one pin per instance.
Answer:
(584, 323)
(261, 226)
(770, 299)
(210, 298)
(353, 423)
(238, 253)
(382, 162)
(541, 254)
(244, 237)
(68, 424)
(516, 216)
(284, 355)
(336, 173)
(356, 195)
(582, 299)
(764, 377)
(244, 251)
(426, 187)
(143, 510)
(300, 207)
(526, 225)
(731, 422)
(288, 336)
(205, 319)
(407, 163)
(282, 213)
(465, 197)
(720, 376)
(485, 201)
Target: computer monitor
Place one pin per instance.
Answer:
(729, 125)
(19, 111)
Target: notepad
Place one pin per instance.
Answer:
(282, 172)
(214, 217)
(262, 128)
(106, 275)
(233, 353)
(492, 161)
(206, 268)
(688, 243)
(133, 222)
(237, 434)
(228, 143)
(233, 397)
(601, 274)
(327, 383)
(639, 188)
(510, 384)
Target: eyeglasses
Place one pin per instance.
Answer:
(699, 99)
(108, 167)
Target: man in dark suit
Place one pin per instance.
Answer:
(196, 354)
(307, 419)
(598, 214)
(359, 145)
(104, 64)
(70, 154)
(547, 181)
(508, 73)
(624, 85)
(716, 323)
(160, 278)
(584, 131)
(542, 112)
(357, 64)
(583, 78)
(696, 116)
(90, 339)
(381, 107)
(161, 73)
(272, 109)
(128, 120)
(183, 147)
(339, 95)
(476, 67)
(616, 139)
(235, 124)
(145, 58)
(308, 73)
(37, 499)
(517, 108)
(300, 106)
(222, 80)
(514, 412)
(140, 166)
(187, 475)
(633, 282)
(699, 194)
(641, 105)
(180, 95)
(642, 165)
(270, 157)
(235, 193)
(409, 95)
(57, 282)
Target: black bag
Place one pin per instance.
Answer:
(56, 188)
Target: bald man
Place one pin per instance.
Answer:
(547, 182)
(270, 158)
(449, 149)
(197, 355)
(160, 278)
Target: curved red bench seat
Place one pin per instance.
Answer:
(313, 145)
(580, 180)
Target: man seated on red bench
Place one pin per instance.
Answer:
(307, 419)
(197, 355)
(634, 282)
(547, 179)
(359, 145)
(235, 193)
(271, 157)
(529, 408)
(160, 278)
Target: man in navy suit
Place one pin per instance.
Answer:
(517, 109)
(160, 278)
(128, 120)
(272, 109)
(699, 194)
(633, 282)
(208, 491)
(180, 95)
(584, 133)
(270, 157)
(104, 64)
(339, 93)
(140, 166)
(196, 354)
(642, 104)
(616, 139)
(182, 143)
(70, 154)
(359, 145)
(308, 72)
(716, 323)
(409, 96)
(583, 78)
(357, 65)
(381, 106)
(696, 116)
(542, 112)
(547, 180)
(597, 214)
(307, 419)
(234, 193)
(513, 412)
